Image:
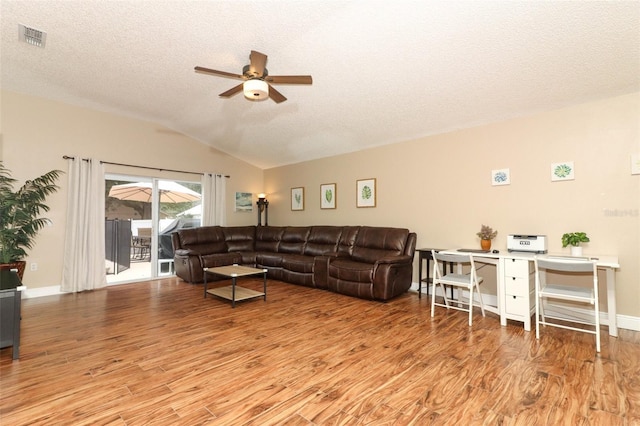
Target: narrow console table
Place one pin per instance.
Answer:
(10, 302)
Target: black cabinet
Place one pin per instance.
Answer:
(10, 303)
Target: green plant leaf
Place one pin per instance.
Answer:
(366, 192)
(20, 211)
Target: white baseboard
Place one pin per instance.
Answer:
(624, 321)
(54, 290)
(628, 322)
(31, 293)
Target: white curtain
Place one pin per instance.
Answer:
(84, 252)
(213, 200)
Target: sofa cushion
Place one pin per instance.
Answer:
(268, 238)
(349, 270)
(373, 243)
(323, 240)
(267, 259)
(240, 238)
(294, 239)
(220, 259)
(298, 263)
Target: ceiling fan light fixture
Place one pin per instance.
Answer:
(255, 89)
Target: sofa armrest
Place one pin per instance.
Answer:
(392, 276)
(188, 265)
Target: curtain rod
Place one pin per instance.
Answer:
(68, 157)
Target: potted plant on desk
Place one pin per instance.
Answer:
(19, 211)
(486, 234)
(574, 239)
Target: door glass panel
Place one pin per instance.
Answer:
(128, 228)
(179, 208)
(141, 214)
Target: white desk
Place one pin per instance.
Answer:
(607, 262)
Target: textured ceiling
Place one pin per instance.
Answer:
(383, 71)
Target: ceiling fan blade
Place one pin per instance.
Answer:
(209, 71)
(232, 91)
(289, 79)
(258, 62)
(275, 95)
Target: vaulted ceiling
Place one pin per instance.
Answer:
(383, 71)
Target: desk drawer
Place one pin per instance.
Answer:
(517, 268)
(518, 286)
(516, 305)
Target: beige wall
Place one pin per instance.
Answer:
(36, 133)
(440, 186)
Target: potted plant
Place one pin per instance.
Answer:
(574, 239)
(19, 215)
(486, 234)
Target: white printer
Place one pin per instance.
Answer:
(527, 243)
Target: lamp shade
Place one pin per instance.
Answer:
(255, 89)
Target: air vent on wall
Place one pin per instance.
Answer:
(31, 35)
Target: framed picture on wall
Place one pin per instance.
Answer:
(244, 202)
(297, 198)
(328, 196)
(366, 193)
(500, 177)
(562, 171)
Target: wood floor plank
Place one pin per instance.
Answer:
(159, 353)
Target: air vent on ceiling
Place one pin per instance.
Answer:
(31, 35)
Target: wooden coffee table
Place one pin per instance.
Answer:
(234, 292)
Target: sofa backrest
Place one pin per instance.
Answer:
(240, 238)
(373, 243)
(410, 248)
(206, 239)
(348, 239)
(268, 238)
(361, 243)
(294, 239)
(322, 240)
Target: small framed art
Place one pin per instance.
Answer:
(328, 196)
(297, 198)
(243, 202)
(562, 171)
(500, 177)
(366, 193)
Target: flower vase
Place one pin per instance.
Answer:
(576, 251)
(485, 244)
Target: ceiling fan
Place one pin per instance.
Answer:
(257, 81)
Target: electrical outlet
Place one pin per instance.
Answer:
(34, 266)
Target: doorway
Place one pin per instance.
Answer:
(141, 213)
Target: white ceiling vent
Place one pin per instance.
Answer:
(31, 35)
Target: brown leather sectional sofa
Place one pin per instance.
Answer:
(362, 261)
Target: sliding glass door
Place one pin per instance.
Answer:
(141, 213)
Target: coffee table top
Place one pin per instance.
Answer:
(234, 270)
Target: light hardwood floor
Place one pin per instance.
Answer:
(158, 353)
